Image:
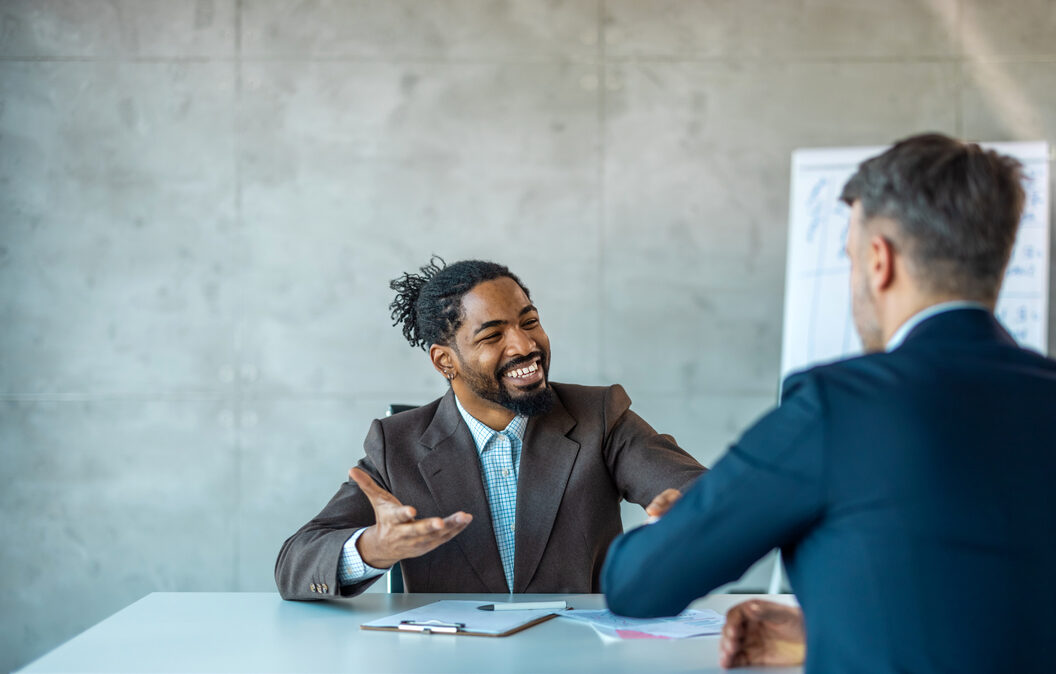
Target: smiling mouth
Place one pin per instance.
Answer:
(525, 375)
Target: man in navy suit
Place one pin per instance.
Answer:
(911, 490)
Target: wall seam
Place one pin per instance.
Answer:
(602, 194)
(239, 303)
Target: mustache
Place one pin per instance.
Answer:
(523, 360)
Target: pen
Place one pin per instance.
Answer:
(525, 606)
(430, 626)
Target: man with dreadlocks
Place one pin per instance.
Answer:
(523, 474)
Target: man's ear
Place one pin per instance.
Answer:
(881, 263)
(443, 360)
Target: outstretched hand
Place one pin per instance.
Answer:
(395, 534)
(762, 633)
(662, 503)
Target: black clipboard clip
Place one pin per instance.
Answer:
(430, 626)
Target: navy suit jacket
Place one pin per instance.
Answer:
(912, 495)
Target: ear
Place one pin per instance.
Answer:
(444, 361)
(881, 263)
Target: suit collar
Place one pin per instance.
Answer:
(547, 458)
(924, 314)
(971, 324)
(451, 470)
(482, 433)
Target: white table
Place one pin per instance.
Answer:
(259, 632)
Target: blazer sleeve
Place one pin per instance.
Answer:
(765, 492)
(309, 558)
(643, 463)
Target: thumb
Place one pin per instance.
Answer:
(370, 488)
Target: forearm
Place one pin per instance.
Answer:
(644, 463)
(308, 563)
(765, 492)
(658, 569)
(312, 556)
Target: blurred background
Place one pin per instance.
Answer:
(202, 203)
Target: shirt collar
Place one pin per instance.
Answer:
(482, 433)
(926, 313)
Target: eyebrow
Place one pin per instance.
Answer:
(491, 324)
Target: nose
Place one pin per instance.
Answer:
(520, 343)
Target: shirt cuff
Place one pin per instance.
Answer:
(351, 569)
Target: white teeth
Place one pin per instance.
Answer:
(524, 371)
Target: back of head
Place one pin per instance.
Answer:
(428, 305)
(957, 206)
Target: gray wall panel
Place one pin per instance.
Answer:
(118, 226)
(764, 29)
(117, 28)
(408, 29)
(1024, 28)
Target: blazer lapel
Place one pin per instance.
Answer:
(547, 457)
(451, 469)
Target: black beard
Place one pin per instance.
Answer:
(528, 404)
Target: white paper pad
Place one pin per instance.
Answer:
(689, 623)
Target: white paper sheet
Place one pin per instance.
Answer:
(689, 623)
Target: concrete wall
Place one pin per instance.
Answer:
(201, 203)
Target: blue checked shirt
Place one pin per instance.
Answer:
(500, 461)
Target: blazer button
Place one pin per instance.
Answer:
(313, 587)
(325, 588)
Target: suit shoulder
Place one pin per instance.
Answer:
(576, 397)
(407, 421)
(874, 370)
(599, 407)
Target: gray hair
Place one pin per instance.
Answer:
(957, 206)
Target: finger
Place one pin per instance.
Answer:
(431, 532)
(755, 644)
(455, 524)
(444, 536)
(739, 659)
(735, 618)
(732, 635)
(459, 519)
(424, 528)
(729, 641)
(663, 502)
(731, 647)
(416, 543)
(729, 660)
(725, 660)
(393, 513)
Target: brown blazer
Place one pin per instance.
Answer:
(577, 463)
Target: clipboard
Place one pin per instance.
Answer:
(460, 617)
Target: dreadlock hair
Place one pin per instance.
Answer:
(429, 304)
